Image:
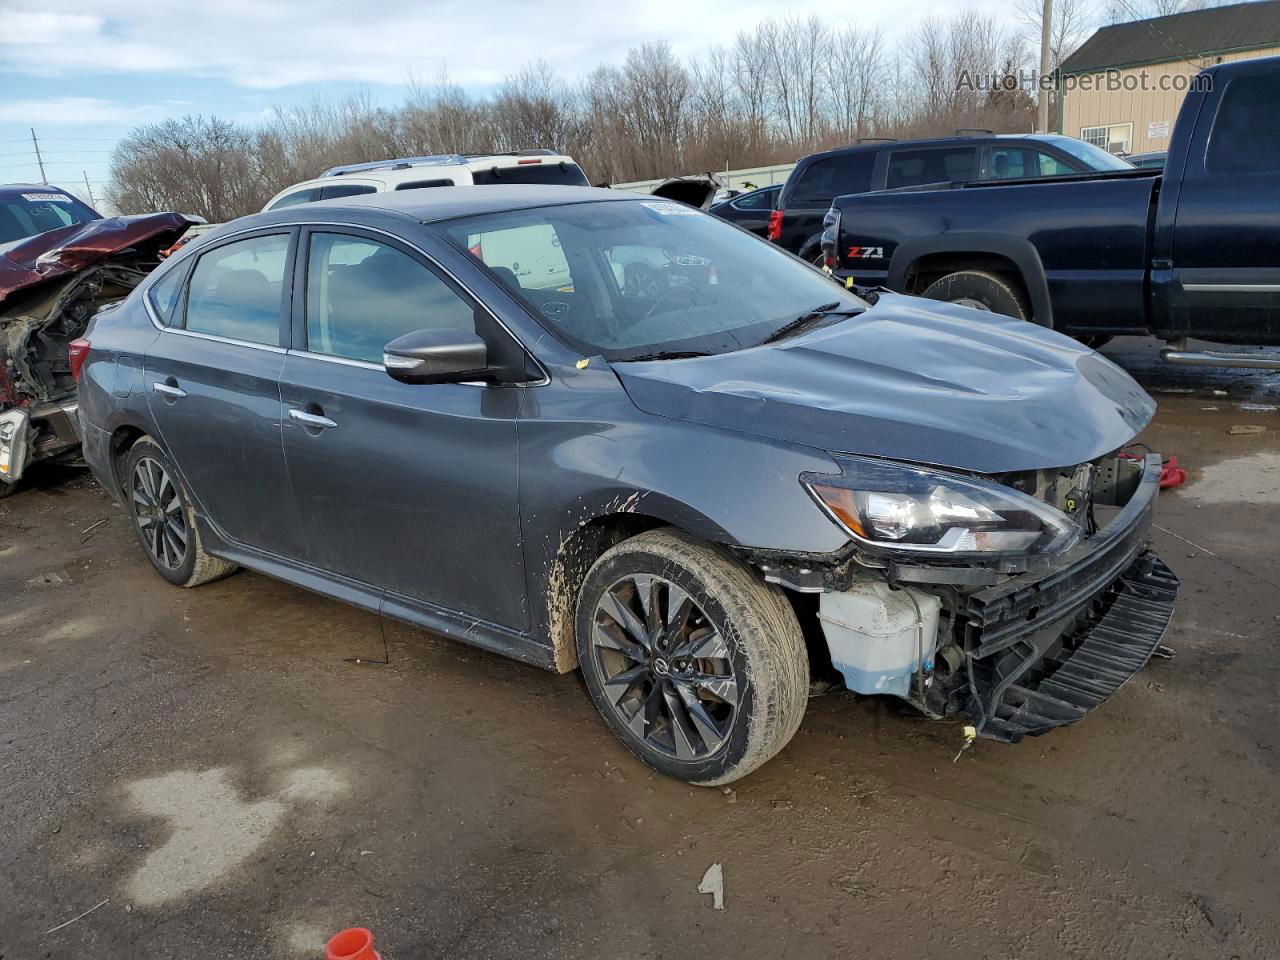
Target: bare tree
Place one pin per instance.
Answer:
(1073, 22)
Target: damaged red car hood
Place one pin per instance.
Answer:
(67, 250)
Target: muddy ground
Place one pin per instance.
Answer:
(207, 766)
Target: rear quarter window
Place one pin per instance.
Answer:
(910, 168)
(565, 174)
(829, 177)
(1245, 137)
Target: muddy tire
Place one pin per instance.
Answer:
(163, 519)
(982, 290)
(697, 665)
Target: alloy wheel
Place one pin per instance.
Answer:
(666, 669)
(158, 512)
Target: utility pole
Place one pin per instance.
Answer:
(93, 203)
(39, 159)
(1042, 108)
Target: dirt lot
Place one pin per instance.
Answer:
(207, 764)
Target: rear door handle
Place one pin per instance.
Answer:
(169, 389)
(313, 420)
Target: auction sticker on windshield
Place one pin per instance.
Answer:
(670, 208)
(46, 197)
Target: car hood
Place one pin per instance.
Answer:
(911, 379)
(67, 250)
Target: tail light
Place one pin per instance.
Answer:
(775, 226)
(77, 353)
(830, 238)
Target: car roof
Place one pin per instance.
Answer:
(977, 139)
(7, 189)
(446, 203)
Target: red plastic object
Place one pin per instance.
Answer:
(354, 943)
(1172, 475)
(77, 352)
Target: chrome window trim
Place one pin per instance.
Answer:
(331, 358)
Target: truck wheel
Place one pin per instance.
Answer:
(163, 518)
(696, 664)
(985, 291)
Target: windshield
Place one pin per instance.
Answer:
(1095, 157)
(26, 214)
(630, 279)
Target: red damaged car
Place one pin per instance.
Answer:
(60, 262)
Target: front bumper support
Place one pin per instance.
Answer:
(1113, 642)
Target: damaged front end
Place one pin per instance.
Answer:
(51, 285)
(1026, 600)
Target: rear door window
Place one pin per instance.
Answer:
(298, 196)
(910, 168)
(422, 184)
(1245, 136)
(568, 174)
(346, 190)
(362, 294)
(824, 180)
(237, 290)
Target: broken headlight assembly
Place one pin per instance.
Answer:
(901, 508)
(13, 444)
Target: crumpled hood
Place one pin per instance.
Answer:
(67, 250)
(911, 379)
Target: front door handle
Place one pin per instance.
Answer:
(313, 420)
(169, 389)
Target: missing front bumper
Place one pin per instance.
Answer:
(1031, 690)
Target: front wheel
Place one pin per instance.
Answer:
(981, 290)
(696, 664)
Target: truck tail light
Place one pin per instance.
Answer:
(77, 353)
(830, 239)
(774, 230)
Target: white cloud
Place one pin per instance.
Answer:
(280, 43)
(77, 111)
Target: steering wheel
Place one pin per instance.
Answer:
(667, 301)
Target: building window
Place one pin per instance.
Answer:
(1117, 138)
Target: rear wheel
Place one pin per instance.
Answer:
(981, 290)
(697, 665)
(163, 519)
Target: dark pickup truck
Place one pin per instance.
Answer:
(1190, 252)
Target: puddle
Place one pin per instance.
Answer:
(212, 829)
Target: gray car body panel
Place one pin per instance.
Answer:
(913, 379)
(572, 448)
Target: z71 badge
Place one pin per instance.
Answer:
(866, 253)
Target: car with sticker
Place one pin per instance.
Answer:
(706, 492)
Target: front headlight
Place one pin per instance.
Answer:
(903, 508)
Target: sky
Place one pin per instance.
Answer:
(82, 73)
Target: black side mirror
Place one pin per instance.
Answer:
(445, 355)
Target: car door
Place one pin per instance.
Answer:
(406, 487)
(1226, 248)
(212, 387)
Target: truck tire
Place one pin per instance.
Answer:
(982, 290)
(697, 665)
(163, 519)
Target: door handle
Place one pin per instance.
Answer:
(313, 420)
(169, 389)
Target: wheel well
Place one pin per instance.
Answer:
(934, 266)
(122, 440)
(576, 554)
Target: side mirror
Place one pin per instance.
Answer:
(436, 356)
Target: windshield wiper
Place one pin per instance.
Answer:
(810, 318)
(666, 355)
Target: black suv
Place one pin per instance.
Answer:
(821, 177)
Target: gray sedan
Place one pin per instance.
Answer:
(611, 432)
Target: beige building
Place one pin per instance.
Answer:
(1122, 89)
